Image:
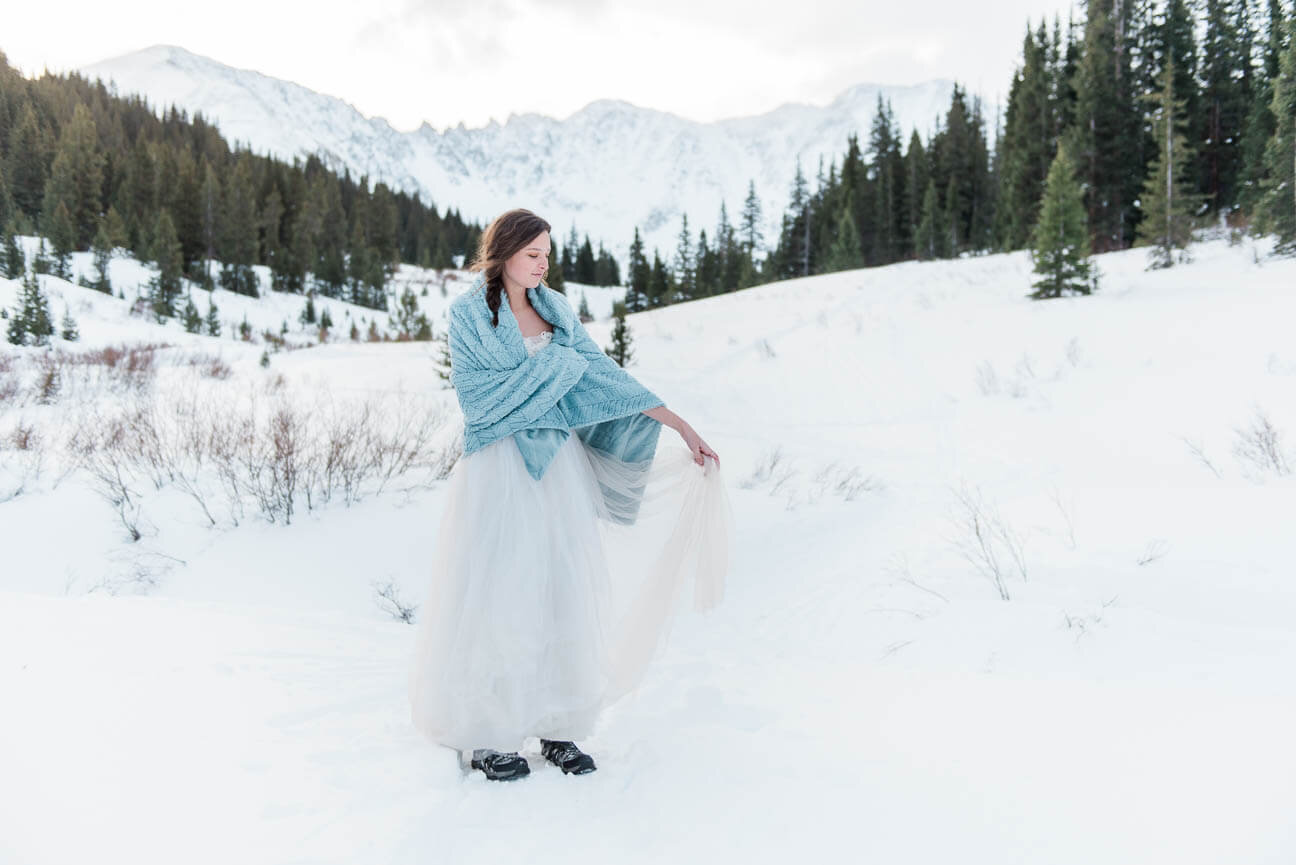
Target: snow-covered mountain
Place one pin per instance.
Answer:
(607, 168)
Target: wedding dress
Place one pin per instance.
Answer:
(548, 598)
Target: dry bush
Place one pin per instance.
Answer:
(1260, 446)
(985, 539)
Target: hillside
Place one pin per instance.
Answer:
(225, 688)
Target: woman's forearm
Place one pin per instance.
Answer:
(666, 417)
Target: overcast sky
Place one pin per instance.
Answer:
(473, 60)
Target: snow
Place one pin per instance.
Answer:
(862, 694)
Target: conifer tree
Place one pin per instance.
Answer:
(684, 271)
(6, 200)
(212, 320)
(554, 276)
(12, 261)
(1168, 202)
(442, 364)
(411, 322)
(68, 327)
(845, 253)
(1225, 92)
(753, 236)
(1060, 248)
(1260, 122)
(62, 235)
(620, 349)
(636, 298)
(584, 311)
(102, 248)
(238, 232)
(932, 235)
(1278, 207)
(31, 322)
(917, 174)
(41, 263)
(28, 156)
(307, 315)
(192, 321)
(1028, 143)
(165, 287)
(585, 263)
(326, 320)
(659, 287)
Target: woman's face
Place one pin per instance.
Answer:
(525, 267)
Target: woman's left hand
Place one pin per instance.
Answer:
(699, 448)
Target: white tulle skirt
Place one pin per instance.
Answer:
(549, 598)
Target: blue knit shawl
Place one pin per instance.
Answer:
(569, 385)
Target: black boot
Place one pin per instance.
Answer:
(566, 756)
(500, 765)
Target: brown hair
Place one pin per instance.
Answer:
(507, 233)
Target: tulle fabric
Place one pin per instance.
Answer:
(549, 599)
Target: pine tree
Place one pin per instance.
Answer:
(41, 263)
(1028, 143)
(76, 177)
(12, 261)
(1278, 206)
(212, 320)
(753, 237)
(307, 315)
(684, 272)
(32, 321)
(442, 363)
(554, 276)
(238, 232)
(932, 235)
(410, 321)
(1260, 123)
(584, 311)
(1060, 249)
(102, 248)
(620, 349)
(192, 320)
(62, 234)
(1105, 137)
(636, 298)
(165, 287)
(1168, 202)
(659, 288)
(68, 327)
(326, 320)
(28, 155)
(845, 253)
(1226, 81)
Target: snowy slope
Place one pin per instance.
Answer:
(862, 694)
(607, 168)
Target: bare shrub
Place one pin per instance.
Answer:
(29, 460)
(1155, 549)
(769, 465)
(986, 539)
(49, 377)
(1196, 450)
(987, 380)
(1260, 446)
(102, 449)
(848, 482)
(387, 597)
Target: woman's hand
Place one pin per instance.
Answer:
(695, 443)
(700, 449)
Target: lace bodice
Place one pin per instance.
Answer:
(537, 341)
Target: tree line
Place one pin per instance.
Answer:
(1153, 133)
(87, 169)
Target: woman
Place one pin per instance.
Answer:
(566, 533)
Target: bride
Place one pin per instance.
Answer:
(567, 529)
